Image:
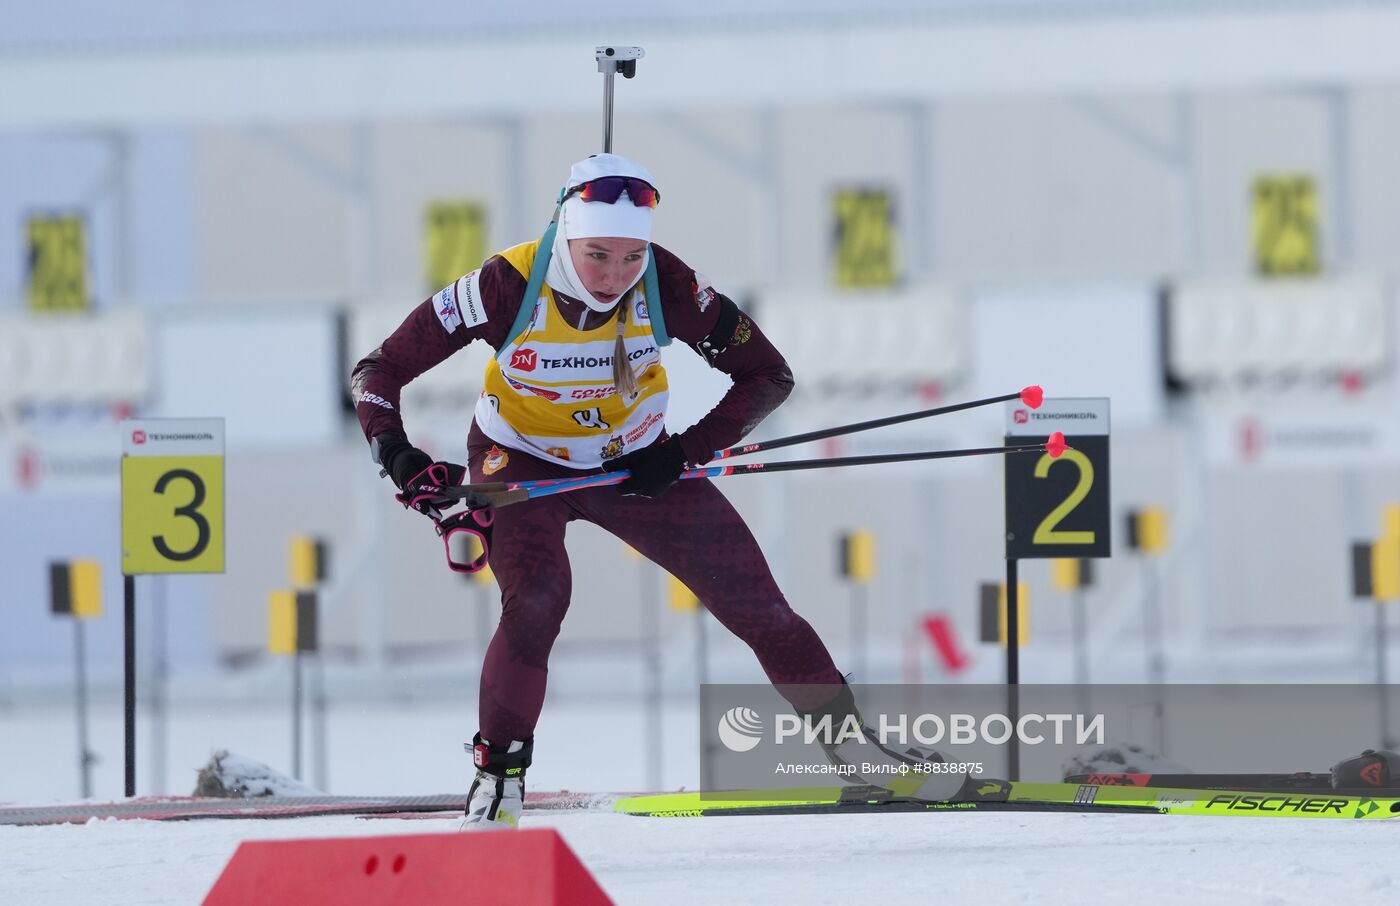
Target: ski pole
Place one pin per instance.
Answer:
(499, 494)
(1032, 396)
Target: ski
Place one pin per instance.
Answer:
(1001, 795)
(190, 808)
(1373, 771)
(1303, 780)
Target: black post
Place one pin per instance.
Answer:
(129, 605)
(80, 666)
(1013, 666)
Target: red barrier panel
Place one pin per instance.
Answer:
(522, 868)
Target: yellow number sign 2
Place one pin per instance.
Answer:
(1046, 532)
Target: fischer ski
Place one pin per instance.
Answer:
(1370, 772)
(1303, 780)
(1002, 795)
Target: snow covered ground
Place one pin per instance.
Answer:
(898, 858)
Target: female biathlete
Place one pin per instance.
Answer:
(577, 385)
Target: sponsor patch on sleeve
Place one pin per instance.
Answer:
(445, 307)
(460, 303)
(470, 305)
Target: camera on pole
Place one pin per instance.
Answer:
(613, 59)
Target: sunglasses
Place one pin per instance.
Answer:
(608, 189)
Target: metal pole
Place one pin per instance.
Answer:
(318, 725)
(1081, 638)
(296, 714)
(611, 60)
(1013, 665)
(1381, 683)
(607, 110)
(859, 619)
(1338, 111)
(702, 673)
(80, 665)
(651, 683)
(1189, 241)
(1081, 648)
(702, 654)
(1156, 659)
(129, 703)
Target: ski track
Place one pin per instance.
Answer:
(897, 858)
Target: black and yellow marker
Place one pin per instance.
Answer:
(1375, 569)
(856, 564)
(292, 629)
(75, 589)
(309, 561)
(292, 622)
(1072, 574)
(857, 556)
(1148, 530)
(992, 600)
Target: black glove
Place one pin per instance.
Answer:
(654, 468)
(416, 475)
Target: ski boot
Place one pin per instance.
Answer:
(1372, 768)
(497, 795)
(915, 772)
